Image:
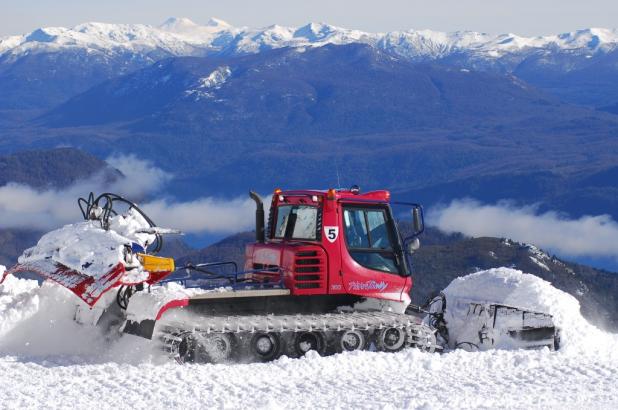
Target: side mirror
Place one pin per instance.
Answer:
(417, 220)
(413, 245)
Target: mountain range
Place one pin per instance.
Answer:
(64, 61)
(183, 37)
(288, 117)
(431, 116)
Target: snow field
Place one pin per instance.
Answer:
(48, 361)
(410, 379)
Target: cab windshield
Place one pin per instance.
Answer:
(370, 238)
(296, 222)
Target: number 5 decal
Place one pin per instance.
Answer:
(331, 233)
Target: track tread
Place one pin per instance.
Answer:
(417, 334)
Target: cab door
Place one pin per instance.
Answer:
(372, 262)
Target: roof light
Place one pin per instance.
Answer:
(314, 198)
(331, 194)
(278, 191)
(387, 195)
(281, 198)
(355, 189)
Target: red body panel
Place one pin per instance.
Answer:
(325, 266)
(304, 265)
(176, 303)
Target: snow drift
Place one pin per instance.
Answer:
(514, 288)
(36, 323)
(46, 360)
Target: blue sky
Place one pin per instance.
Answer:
(524, 17)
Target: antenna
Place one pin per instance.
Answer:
(337, 170)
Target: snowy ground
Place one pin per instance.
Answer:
(47, 361)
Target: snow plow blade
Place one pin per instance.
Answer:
(86, 287)
(110, 249)
(90, 288)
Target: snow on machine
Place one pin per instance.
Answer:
(329, 272)
(481, 325)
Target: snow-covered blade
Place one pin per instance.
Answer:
(87, 288)
(89, 260)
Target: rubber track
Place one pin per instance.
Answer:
(419, 334)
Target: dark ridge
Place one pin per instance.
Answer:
(53, 168)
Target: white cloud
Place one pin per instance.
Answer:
(204, 215)
(22, 206)
(141, 177)
(25, 207)
(586, 236)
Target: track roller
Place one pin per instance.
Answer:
(351, 340)
(265, 346)
(306, 341)
(214, 347)
(391, 339)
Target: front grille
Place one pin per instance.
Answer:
(309, 270)
(308, 277)
(307, 253)
(307, 261)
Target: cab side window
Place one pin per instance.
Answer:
(368, 238)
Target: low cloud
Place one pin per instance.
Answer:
(24, 207)
(586, 236)
(140, 177)
(204, 215)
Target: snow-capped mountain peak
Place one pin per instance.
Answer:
(197, 34)
(213, 36)
(591, 38)
(184, 25)
(215, 22)
(315, 31)
(177, 23)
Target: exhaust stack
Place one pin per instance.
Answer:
(260, 233)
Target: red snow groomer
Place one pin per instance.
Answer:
(329, 272)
